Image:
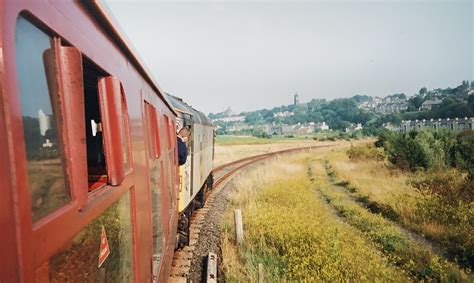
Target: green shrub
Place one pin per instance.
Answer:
(359, 153)
(405, 152)
(465, 152)
(451, 184)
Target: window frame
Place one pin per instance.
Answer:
(168, 131)
(114, 117)
(62, 63)
(153, 129)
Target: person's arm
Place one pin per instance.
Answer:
(182, 152)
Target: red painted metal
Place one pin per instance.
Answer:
(113, 125)
(9, 247)
(65, 81)
(26, 247)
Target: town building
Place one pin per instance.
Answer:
(354, 127)
(455, 124)
(430, 104)
(283, 114)
(239, 118)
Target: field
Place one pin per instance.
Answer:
(231, 148)
(319, 216)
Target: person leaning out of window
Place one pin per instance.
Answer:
(182, 140)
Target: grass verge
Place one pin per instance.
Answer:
(294, 233)
(405, 252)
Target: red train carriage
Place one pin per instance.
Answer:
(88, 157)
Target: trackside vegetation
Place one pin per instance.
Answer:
(295, 234)
(355, 213)
(398, 245)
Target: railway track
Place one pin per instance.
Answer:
(182, 260)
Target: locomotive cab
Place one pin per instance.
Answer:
(195, 176)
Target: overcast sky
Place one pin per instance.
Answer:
(252, 55)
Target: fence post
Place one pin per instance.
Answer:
(239, 229)
(261, 273)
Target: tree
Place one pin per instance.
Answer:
(361, 98)
(416, 101)
(465, 152)
(470, 102)
(253, 118)
(405, 152)
(423, 91)
(398, 95)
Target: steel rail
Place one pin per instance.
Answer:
(234, 166)
(182, 259)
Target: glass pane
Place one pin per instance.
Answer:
(150, 132)
(155, 186)
(125, 136)
(155, 183)
(79, 261)
(167, 128)
(45, 171)
(171, 173)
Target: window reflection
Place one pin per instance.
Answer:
(78, 261)
(45, 170)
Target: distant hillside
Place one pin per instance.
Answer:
(369, 111)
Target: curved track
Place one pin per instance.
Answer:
(182, 259)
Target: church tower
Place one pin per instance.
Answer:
(297, 98)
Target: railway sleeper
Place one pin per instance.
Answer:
(184, 222)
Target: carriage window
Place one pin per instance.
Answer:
(153, 132)
(44, 164)
(96, 165)
(153, 145)
(125, 133)
(168, 130)
(78, 261)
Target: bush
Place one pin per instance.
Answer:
(430, 149)
(358, 153)
(464, 151)
(449, 184)
(405, 152)
(457, 226)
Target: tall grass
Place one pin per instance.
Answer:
(226, 152)
(449, 223)
(411, 255)
(294, 233)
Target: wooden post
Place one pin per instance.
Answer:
(239, 229)
(261, 273)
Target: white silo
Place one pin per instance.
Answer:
(44, 122)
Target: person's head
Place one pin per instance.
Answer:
(184, 133)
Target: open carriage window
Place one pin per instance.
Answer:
(115, 128)
(107, 128)
(96, 162)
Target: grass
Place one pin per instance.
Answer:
(294, 233)
(407, 253)
(302, 227)
(223, 140)
(379, 186)
(233, 148)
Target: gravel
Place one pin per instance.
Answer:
(209, 237)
